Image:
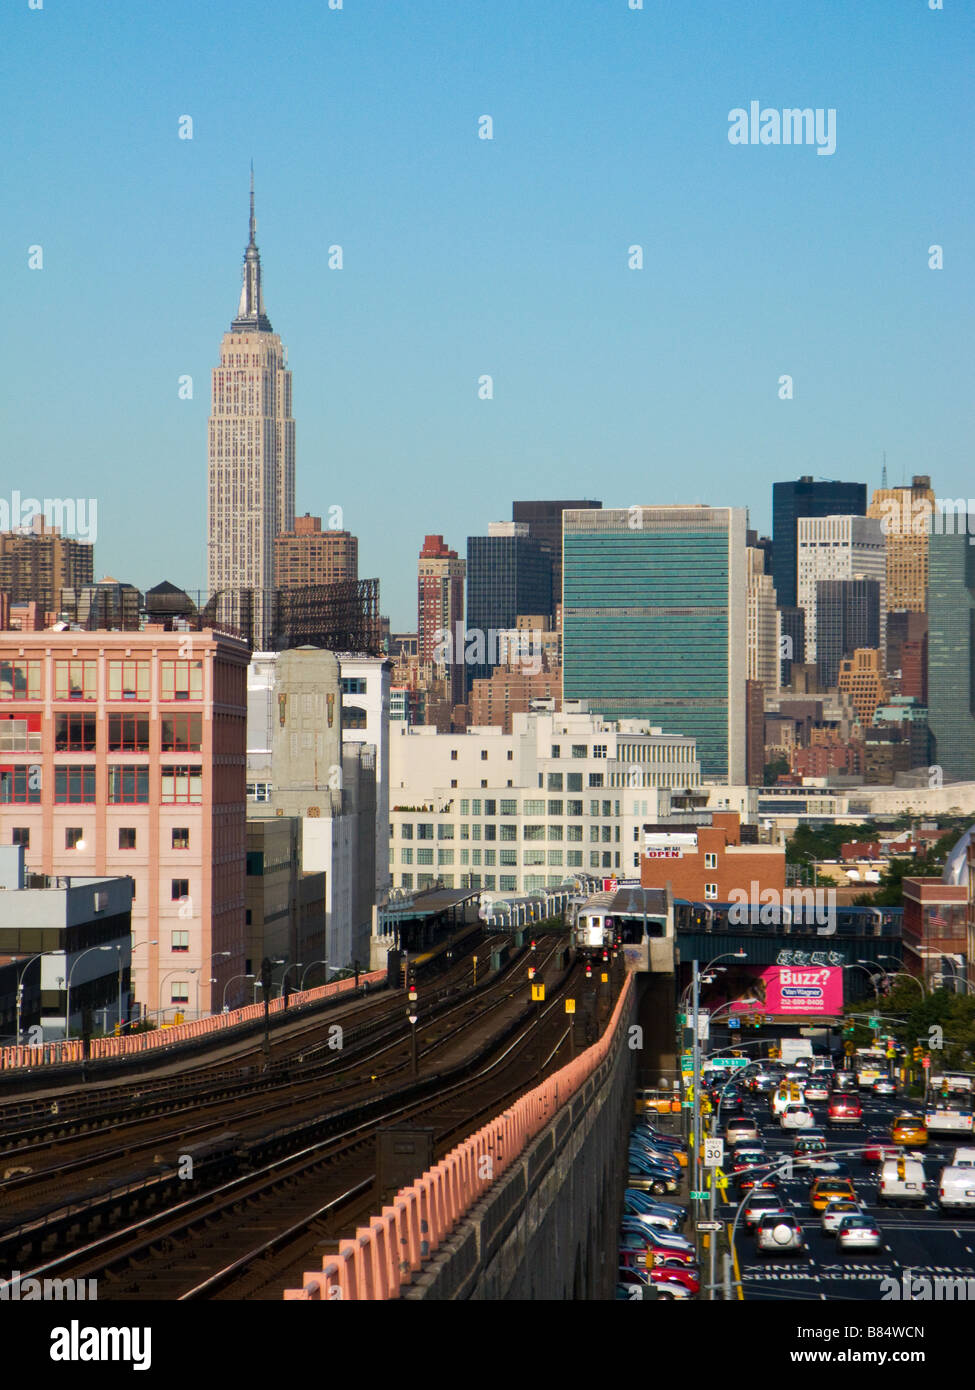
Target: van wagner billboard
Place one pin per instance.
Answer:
(814, 991)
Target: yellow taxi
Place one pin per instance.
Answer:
(910, 1130)
(657, 1101)
(826, 1189)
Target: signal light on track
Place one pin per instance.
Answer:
(533, 945)
(588, 971)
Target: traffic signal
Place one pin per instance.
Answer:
(849, 1029)
(588, 970)
(918, 1054)
(533, 945)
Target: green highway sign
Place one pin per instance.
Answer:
(874, 1022)
(687, 1061)
(729, 1061)
(699, 1196)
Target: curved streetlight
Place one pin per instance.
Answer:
(20, 985)
(229, 983)
(906, 974)
(296, 965)
(310, 966)
(954, 979)
(180, 970)
(67, 997)
(133, 946)
(873, 977)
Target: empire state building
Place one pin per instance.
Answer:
(251, 496)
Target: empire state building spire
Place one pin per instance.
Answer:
(250, 311)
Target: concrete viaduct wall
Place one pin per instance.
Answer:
(547, 1228)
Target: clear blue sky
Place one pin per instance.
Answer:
(465, 256)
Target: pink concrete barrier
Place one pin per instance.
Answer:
(53, 1053)
(383, 1256)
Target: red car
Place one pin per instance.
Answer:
(879, 1149)
(690, 1278)
(845, 1110)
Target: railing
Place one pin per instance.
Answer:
(384, 1256)
(54, 1053)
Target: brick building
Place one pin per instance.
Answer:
(309, 555)
(705, 863)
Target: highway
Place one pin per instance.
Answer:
(919, 1240)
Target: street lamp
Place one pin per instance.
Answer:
(180, 970)
(67, 997)
(20, 984)
(229, 983)
(311, 966)
(296, 965)
(870, 968)
(133, 946)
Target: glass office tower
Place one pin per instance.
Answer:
(951, 654)
(804, 497)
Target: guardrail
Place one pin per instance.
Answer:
(382, 1257)
(72, 1050)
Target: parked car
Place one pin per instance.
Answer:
(647, 1175)
(635, 1202)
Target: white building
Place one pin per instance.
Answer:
(365, 719)
(521, 811)
(761, 624)
(839, 547)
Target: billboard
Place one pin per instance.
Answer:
(814, 991)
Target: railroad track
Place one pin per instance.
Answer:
(26, 1199)
(247, 1234)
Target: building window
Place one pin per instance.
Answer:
(354, 717)
(554, 808)
(453, 755)
(180, 889)
(424, 856)
(509, 807)
(20, 680)
(182, 733)
(484, 754)
(128, 784)
(76, 680)
(445, 856)
(573, 833)
(573, 808)
(579, 750)
(72, 836)
(16, 737)
(181, 837)
(490, 808)
(21, 836)
(595, 779)
(179, 992)
(510, 756)
(534, 832)
(465, 832)
(406, 856)
(74, 785)
(534, 856)
(483, 781)
(259, 791)
(453, 781)
(406, 831)
(181, 941)
(710, 892)
(606, 809)
(126, 837)
(127, 733)
(476, 832)
(710, 861)
(129, 680)
(599, 750)
(182, 680)
(556, 750)
(406, 880)
(509, 832)
(555, 832)
(182, 784)
(594, 859)
(508, 857)
(533, 808)
(555, 781)
(424, 830)
(555, 859)
(507, 883)
(20, 784)
(607, 861)
(353, 685)
(465, 807)
(445, 832)
(490, 856)
(594, 808)
(573, 781)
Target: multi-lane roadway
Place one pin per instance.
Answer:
(917, 1241)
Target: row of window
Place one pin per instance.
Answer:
(76, 678)
(505, 883)
(572, 858)
(127, 837)
(127, 785)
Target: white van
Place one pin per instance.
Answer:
(956, 1185)
(902, 1180)
(963, 1158)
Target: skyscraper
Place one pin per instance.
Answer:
(251, 495)
(793, 500)
(847, 617)
(37, 562)
(654, 623)
(440, 607)
(905, 513)
(308, 555)
(544, 521)
(507, 574)
(951, 654)
(839, 547)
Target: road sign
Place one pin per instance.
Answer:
(687, 1061)
(538, 993)
(734, 1022)
(729, 1061)
(604, 977)
(873, 1022)
(713, 1153)
(570, 1006)
(710, 1225)
(699, 1196)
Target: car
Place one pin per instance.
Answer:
(844, 1110)
(858, 1231)
(910, 1131)
(779, 1235)
(762, 1178)
(761, 1204)
(884, 1086)
(816, 1088)
(657, 1101)
(662, 1220)
(646, 1175)
(666, 1241)
(786, 1094)
(635, 1202)
(901, 1180)
(760, 1082)
(643, 1129)
(830, 1189)
(729, 1104)
(834, 1211)
(797, 1117)
(637, 1284)
(746, 1156)
(661, 1156)
(811, 1142)
(822, 1166)
(844, 1082)
(634, 1245)
(877, 1150)
(956, 1186)
(739, 1129)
